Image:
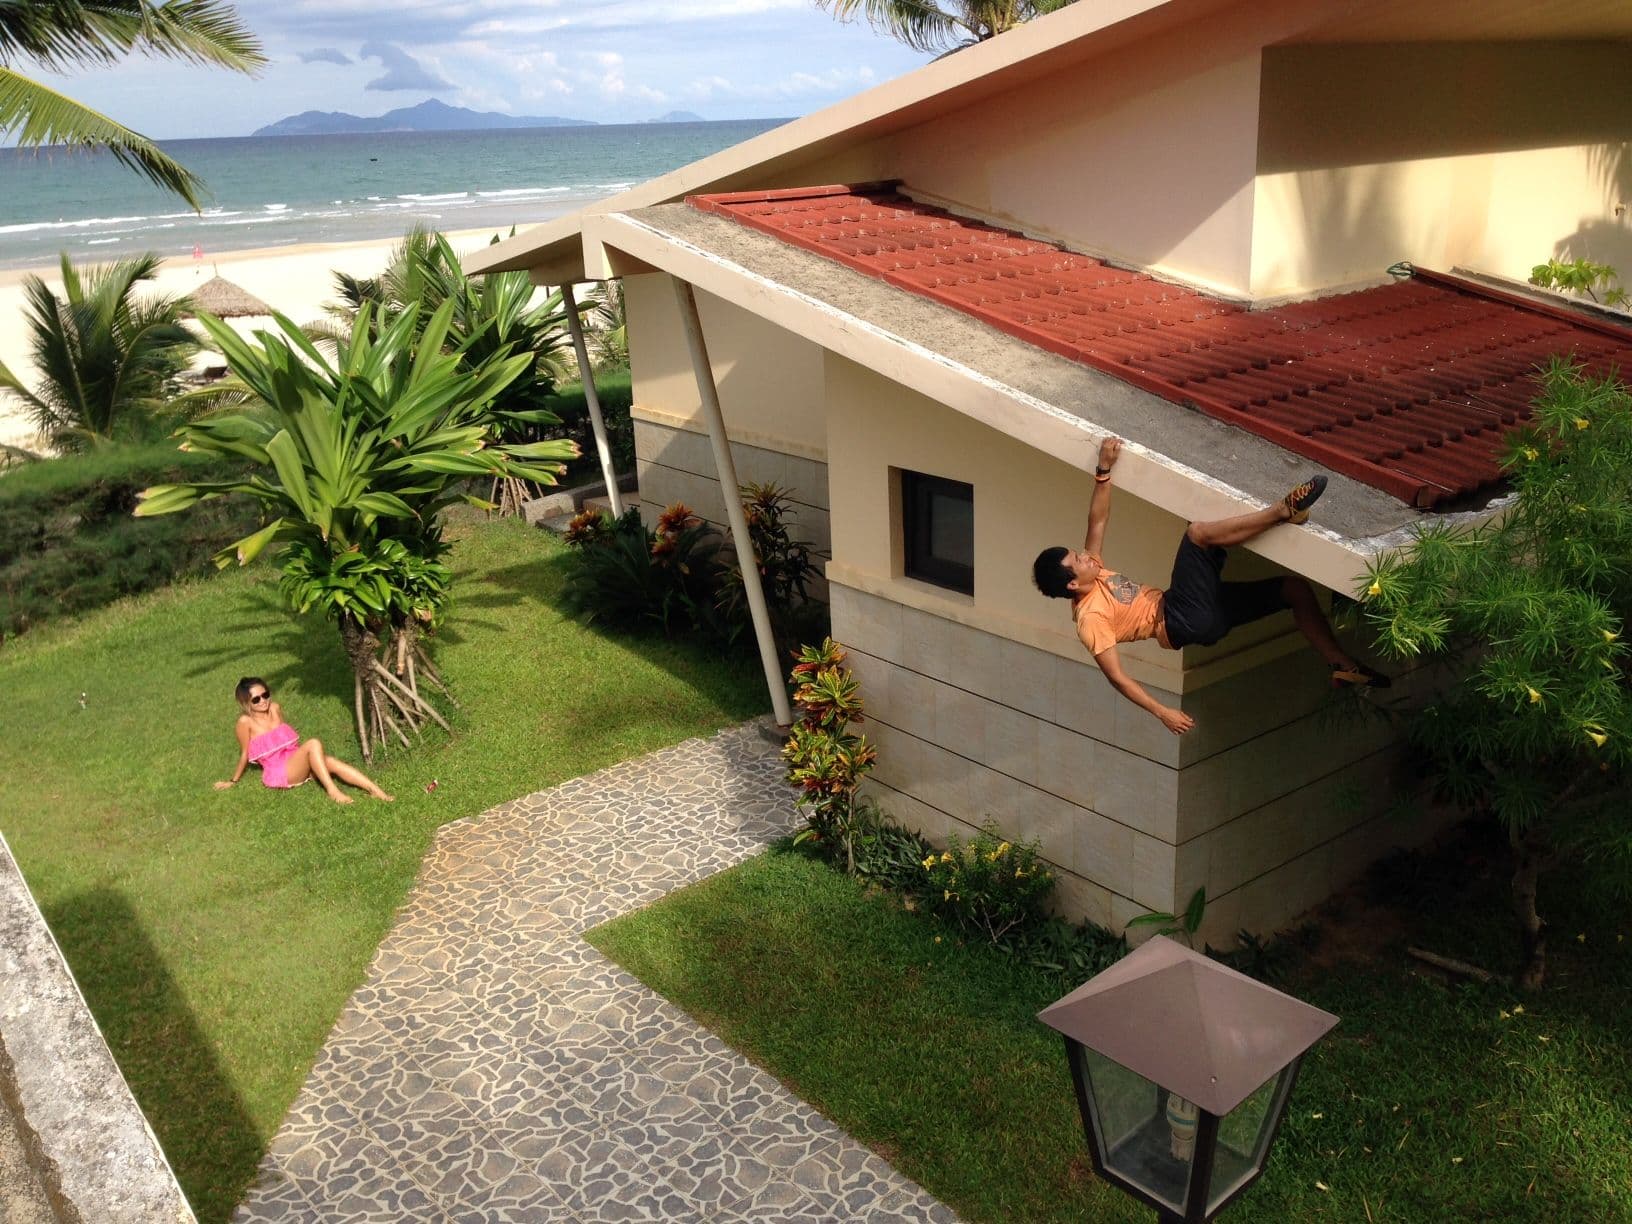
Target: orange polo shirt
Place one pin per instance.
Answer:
(1116, 609)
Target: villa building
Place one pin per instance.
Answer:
(1254, 239)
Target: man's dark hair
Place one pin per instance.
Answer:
(1050, 574)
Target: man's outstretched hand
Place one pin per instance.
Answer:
(1109, 449)
(1176, 721)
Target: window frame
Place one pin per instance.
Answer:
(918, 493)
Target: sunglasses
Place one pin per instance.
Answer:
(261, 696)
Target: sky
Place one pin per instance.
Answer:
(613, 61)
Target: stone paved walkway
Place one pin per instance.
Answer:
(495, 1067)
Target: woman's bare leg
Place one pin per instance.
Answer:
(1227, 533)
(353, 776)
(309, 759)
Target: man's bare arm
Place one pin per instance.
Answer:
(1176, 721)
(1099, 510)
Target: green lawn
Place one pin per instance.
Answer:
(1427, 1104)
(217, 935)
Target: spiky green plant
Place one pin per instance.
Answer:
(105, 355)
(1535, 729)
(356, 460)
(492, 314)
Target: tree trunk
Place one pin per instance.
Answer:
(384, 704)
(1528, 860)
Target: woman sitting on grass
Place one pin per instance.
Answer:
(264, 739)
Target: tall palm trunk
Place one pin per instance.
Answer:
(383, 703)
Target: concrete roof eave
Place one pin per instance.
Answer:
(1174, 458)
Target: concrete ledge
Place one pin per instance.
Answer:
(83, 1135)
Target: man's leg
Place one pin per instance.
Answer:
(1227, 533)
(1312, 622)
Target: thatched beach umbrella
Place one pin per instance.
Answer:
(225, 300)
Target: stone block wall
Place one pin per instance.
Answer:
(1269, 803)
(77, 1137)
(677, 464)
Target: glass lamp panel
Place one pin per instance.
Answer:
(1243, 1137)
(1146, 1135)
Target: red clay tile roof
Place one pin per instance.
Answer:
(1408, 387)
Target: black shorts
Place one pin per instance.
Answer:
(1200, 607)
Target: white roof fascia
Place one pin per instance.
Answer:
(1319, 555)
(941, 77)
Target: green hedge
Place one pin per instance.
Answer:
(615, 394)
(68, 542)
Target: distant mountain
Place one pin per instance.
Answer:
(429, 116)
(677, 117)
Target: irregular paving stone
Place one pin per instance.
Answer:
(496, 1068)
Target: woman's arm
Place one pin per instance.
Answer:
(243, 755)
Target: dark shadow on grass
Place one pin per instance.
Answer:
(166, 1057)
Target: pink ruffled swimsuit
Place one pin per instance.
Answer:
(271, 750)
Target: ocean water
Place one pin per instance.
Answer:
(280, 190)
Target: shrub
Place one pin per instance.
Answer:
(629, 578)
(785, 570)
(616, 395)
(676, 578)
(989, 886)
(826, 760)
(68, 543)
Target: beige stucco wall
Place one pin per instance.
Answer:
(769, 380)
(986, 707)
(1145, 155)
(1489, 156)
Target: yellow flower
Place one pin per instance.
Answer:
(1518, 1010)
(1582, 422)
(946, 856)
(1598, 737)
(937, 939)
(1581, 938)
(946, 894)
(1003, 849)
(1610, 635)
(1376, 588)
(1534, 696)
(1531, 453)
(929, 862)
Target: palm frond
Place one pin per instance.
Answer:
(36, 115)
(921, 25)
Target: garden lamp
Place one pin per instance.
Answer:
(1182, 1070)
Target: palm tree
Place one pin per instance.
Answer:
(106, 358)
(942, 25)
(61, 34)
(354, 462)
(497, 314)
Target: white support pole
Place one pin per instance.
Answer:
(727, 467)
(575, 325)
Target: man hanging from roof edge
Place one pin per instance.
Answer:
(1198, 607)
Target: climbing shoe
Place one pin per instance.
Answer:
(1358, 676)
(1301, 498)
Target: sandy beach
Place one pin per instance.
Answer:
(295, 280)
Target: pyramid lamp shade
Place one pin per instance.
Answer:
(1182, 1069)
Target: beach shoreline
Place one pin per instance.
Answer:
(297, 281)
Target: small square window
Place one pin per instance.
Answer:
(938, 530)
